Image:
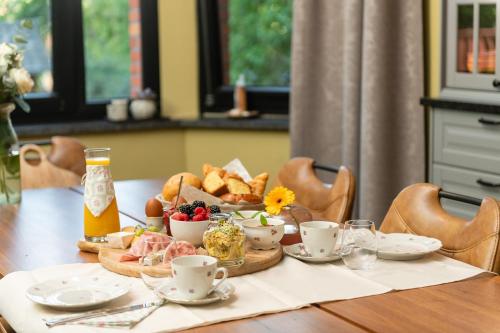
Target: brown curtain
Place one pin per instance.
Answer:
(357, 77)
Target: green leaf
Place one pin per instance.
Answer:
(27, 24)
(255, 215)
(263, 220)
(239, 214)
(22, 104)
(19, 39)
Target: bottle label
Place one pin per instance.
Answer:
(99, 189)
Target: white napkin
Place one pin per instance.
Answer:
(120, 320)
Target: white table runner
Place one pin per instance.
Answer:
(290, 285)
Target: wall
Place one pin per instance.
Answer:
(432, 12)
(259, 151)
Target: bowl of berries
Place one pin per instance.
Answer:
(189, 221)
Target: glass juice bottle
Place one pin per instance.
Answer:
(100, 216)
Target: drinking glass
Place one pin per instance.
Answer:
(359, 244)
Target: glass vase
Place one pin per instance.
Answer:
(10, 175)
(293, 215)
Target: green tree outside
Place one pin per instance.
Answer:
(260, 41)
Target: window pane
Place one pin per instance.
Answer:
(487, 49)
(255, 40)
(113, 59)
(465, 54)
(38, 50)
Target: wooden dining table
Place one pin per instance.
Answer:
(44, 229)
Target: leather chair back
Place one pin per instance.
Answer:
(67, 153)
(417, 210)
(39, 172)
(333, 204)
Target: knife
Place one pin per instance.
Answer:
(99, 313)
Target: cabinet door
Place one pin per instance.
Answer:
(466, 182)
(471, 39)
(467, 139)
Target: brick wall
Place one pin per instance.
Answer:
(134, 31)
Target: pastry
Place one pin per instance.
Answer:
(214, 184)
(172, 185)
(207, 168)
(258, 184)
(236, 186)
(238, 198)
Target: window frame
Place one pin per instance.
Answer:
(458, 80)
(68, 102)
(214, 95)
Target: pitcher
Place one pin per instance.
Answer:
(100, 216)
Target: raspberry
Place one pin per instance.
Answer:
(180, 216)
(199, 210)
(199, 203)
(199, 217)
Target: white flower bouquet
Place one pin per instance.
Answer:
(15, 81)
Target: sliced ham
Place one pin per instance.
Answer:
(147, 243)
(180, 248)
(153, 242)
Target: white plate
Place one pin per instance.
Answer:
(399, 246)
(168, 291)
(77, 292)
(298, 251)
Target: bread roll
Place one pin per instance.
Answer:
(172, 184)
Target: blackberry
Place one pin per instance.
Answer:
(198, 203)
(186, 209)
(214, 209)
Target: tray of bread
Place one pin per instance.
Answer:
(231, 187)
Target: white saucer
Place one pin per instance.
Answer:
(399, 246)
(168, 291)
(77, 292)
(298, 251)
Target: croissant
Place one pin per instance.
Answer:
(258, 184)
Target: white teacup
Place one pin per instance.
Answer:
(319, 237)
(194, 275)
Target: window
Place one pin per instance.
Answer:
(83, 53)
(250, 37)
(470, 57)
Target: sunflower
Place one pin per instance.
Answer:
(278, 198)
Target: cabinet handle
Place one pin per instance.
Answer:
(487, 183)
(496, 83)
(488, 121)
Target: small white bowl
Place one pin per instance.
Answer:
(243, 215)
(189, 231)
(264, 237)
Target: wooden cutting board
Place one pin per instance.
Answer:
(85, 246)
(255, 260)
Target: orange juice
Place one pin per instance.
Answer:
(102, 225)
(108, 221)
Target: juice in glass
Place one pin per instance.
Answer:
(102, 217)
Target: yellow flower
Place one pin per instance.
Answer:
(278, 198)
